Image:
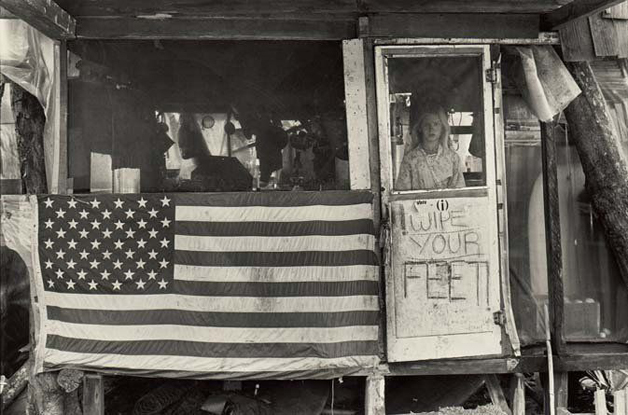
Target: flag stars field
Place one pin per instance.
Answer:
(103, 241)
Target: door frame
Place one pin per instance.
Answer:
(493, 165)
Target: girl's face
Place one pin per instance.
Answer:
(431, 128)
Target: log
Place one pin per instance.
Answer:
(15, 385)
(29, 127)
(47, 395)
(605, 166)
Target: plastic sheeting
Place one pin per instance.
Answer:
(596, 300)
(27, 58)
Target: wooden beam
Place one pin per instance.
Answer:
(374, 402)
(577, 9)
(357, 121)
(58, 182)
(592, 361)
(456, 6)
(552, 236)
(93, 395)
(543, 38)
(496, 393)
(215, 28)
(469, 366)
(44, 15)
(453, 25)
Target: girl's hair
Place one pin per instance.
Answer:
(445, 140)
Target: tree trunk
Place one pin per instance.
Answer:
(29, 127)
(605, 166)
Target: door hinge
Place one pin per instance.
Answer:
(499, 318)
(491, 75)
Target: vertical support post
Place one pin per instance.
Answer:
(60, 149)
(374, 398)
(600, 402)
(561, 391)
(518, 394)
(552, 236)
(621, 401)
(93, 395)
(357, 121)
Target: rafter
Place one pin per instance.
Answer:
(44, 15)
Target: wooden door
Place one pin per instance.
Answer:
(442, 260)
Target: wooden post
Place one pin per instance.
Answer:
(600, 402)
(93, 395)
(517, 386)
(357, 117)
(497, 393)
(60, 118)
(374, 398)
(29, 127)
(561, 382)
(552, 236)
(621, 401)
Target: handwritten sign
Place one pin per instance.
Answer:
(441, 257)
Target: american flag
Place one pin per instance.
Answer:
(247, 284)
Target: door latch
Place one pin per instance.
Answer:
(499, 318)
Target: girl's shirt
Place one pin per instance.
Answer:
(422, 171)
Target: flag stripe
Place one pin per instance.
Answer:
(268, 283)
(272, 214)
(213, 334)
(312, 243)
(106, 302)
(207, 364)
(276, 289)
(271, 274)
(349, 227)
(276, 259)
(277, 199)
(209, 319)
(218, 350)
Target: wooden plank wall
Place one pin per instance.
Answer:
(601, 35)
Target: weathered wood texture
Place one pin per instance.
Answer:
(577, 9)
(496, 393)
(29, 125)
(576, 41)
(617, 12)
(357, 122)
(456, 6)
(603, 162)
(44, 15)
(454, 25)
(552, 236)
(15, 385)
(593, 38)
(80, 8)
(48, 396)
(605, 39)
(93, 395)
(518, 394)
(374, 401)
(58, 184)
(216, 28)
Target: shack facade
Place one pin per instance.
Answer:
(253, 191)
